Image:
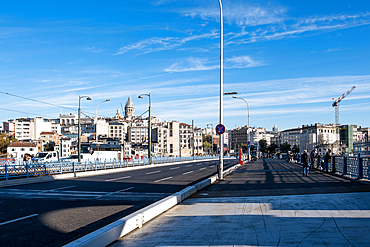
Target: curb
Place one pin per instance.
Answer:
(123, 226)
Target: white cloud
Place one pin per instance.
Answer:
(167, 43)
(241, 13)
(294, 27)
(93, 49)
(199, 64)
(191, 64)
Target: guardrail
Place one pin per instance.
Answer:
(356, 167)
(353, 166)
(13, 169)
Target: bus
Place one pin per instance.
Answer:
(101, 151)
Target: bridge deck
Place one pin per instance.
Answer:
(265, 203)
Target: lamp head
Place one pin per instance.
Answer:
(108, 100)
(88, 98)
(140, 96)
(235, 97)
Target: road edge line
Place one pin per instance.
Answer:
(125, 225)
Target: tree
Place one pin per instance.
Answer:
(284, 148)
(295, 149)
(49, 147)
(244, 147)
(263, 146)
(271, 149)
(5, 141)
(207, 146)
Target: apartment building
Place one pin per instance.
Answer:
(117, 131)
(291, 136)
(165, 137)
(29, 129)
(319, 136)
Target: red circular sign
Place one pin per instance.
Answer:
(220, 129)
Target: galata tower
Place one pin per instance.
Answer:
(129, 108)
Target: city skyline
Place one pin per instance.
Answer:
(287, 59)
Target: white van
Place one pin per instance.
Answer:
(41, 157)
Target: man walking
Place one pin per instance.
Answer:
(327, 159)
(305, 161)
(313, 158)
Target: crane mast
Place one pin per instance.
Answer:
(336, 104)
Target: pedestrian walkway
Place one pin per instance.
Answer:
(265, 203)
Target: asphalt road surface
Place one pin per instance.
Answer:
(58, 212)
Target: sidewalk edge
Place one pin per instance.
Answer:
(123, 226)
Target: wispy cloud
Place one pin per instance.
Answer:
(93, 49)
(167, 43)
(334, 49)
(199, 64)
(295, 27)
(191, 64)
(240, 13)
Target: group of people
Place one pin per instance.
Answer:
(313, 160)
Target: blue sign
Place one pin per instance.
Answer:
(220, 129)
(249, 146)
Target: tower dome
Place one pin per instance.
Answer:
(129, 108)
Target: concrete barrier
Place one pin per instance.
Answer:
(123, 226)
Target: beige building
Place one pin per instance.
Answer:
(165, 138)
(190, 139)
(49, 137)
(117, 131)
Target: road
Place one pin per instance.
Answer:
(58, 212)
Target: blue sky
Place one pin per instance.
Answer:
(287, 58)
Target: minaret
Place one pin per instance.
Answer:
(129, 108)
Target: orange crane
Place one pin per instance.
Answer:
(336, 102)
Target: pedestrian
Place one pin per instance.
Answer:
(327, 159)
(313, 157)
(305, 160)
(289, 156)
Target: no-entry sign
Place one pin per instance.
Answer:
(220, 129)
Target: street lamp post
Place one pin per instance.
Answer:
(248, 134)
(79, 125)
(221, 166)
(149, 128)
(96, 118)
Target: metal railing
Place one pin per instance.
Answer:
(352, 166)
(13, 169)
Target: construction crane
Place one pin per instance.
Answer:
(336, 102)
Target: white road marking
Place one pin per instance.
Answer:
(174, 168)
(162, 179)
(112, 193)
(202, 168)
(124, 190)
(113, 179)
(189, 165)
(22, 218)
(152, 172)
(212, 166)
(187, 173)
(62, 188)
